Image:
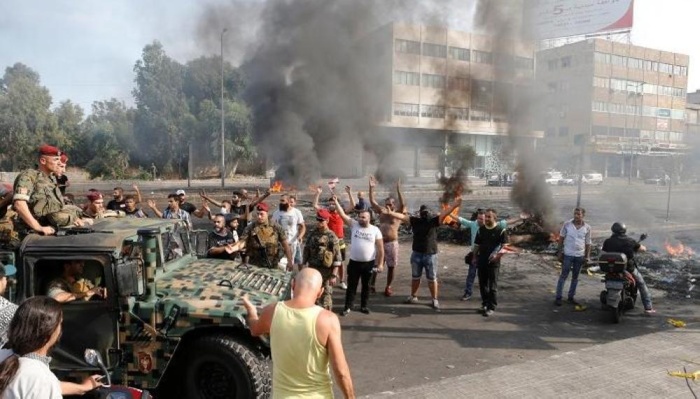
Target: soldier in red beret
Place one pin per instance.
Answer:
(262, 240)
(38, 200)
(62, 178)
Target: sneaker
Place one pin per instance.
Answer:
(557, 301)
(365, 310)
(343, 286)
(649, 311)
(411, 299)
(466, 297)
(346, 312)
(572, 301)
(388, 291)
(489, 312)
(435, 305)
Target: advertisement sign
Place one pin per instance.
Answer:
(549, 19)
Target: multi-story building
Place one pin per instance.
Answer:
(449, 86)
(627, 102)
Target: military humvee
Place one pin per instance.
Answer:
(172, 322)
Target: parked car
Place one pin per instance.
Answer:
(552, 178)
(656, 180)
(592, 178)
(568, 181)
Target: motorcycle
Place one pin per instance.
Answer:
(109, 391)
(620, 293)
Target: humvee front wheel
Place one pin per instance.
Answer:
(220, 367)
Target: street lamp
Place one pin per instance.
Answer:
(223, 162)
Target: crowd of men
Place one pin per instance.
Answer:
(245, 228)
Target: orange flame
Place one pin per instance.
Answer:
(554, 237)
(452, 217)
(276, 187)
(678, 250)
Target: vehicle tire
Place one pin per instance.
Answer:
(218, 366)
(620, 309)
(604, 297)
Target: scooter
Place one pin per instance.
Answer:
(109, 391)
(620, 293)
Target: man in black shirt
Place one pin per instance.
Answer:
(119, 201)
(490, 239)
(620, 242)
(424, 255)
(221, 240)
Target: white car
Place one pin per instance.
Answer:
(592, 178)
(552, 178)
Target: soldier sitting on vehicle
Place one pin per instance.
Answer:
(38, 200)
(96, 207)
(71, 285)
(262, 238)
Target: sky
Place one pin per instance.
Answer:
(85, 50)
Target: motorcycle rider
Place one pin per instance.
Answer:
(620, 242)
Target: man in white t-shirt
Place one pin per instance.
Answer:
(574, 252)
(366, 254)
(292, 221)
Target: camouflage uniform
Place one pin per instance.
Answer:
(263, 241)
(44, 200)
(322, 252)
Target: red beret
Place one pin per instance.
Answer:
(49, 150)
(323, 214)
(94, 196)
(262, 207)
(64, 157)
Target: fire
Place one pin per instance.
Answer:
(452, 217)
(554, 237)
(276, 187)
(678, 250)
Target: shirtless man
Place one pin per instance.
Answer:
(389, 226)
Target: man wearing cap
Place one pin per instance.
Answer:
(37, 198)
(7, 308)
(262, 239)
(187, 206)
(322, 252)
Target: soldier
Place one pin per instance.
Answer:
(37, 199)
(322, 252)
(96, 207)
(262, 238)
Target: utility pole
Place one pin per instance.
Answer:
(580, 139)
(223, 161)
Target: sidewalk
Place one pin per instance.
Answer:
(634, 367)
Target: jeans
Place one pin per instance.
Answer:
(358, 271)
(571, 264)
(471, 276)
(488, 285)
(420, 262)
(643, 289)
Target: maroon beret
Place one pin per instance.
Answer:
(64, 157)
(94, 196)
(323, 214)
(262, 207)
(49, 150)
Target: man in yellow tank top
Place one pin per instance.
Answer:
(305, 342)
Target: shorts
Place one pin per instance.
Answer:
(427, 262)
(391, 253)
(296, 250)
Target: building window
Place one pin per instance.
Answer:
(692, 117)
(482, 57)
(651, 65)
(480, 115)
(602, 58)
(457, 83)
(406, 78)
(599, 130)
(500, 118)
(432, 111)
(635, 63)
(404, 109)
(601, 82)
(459, 53)
(617, 131)
(407, 46)
(523, 63)
(599, 106)
(675, 136)
(434, 50)
(553, 64)
(680, 70)
(482, 94)
(460, 114)
(435, 81)
(662, 136)
(618, 60)
(566, 62)
(665, 68)
(631, 132)
(563, 131)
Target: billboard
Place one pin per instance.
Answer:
(549, 19)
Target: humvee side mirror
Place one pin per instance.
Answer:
(130, 278)
(93, 358)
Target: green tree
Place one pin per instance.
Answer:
(161, 110)
(68, 118)
(25, 116)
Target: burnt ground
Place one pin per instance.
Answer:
(399, 345)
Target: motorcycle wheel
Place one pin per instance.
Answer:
(221, 367)
(620, 309)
